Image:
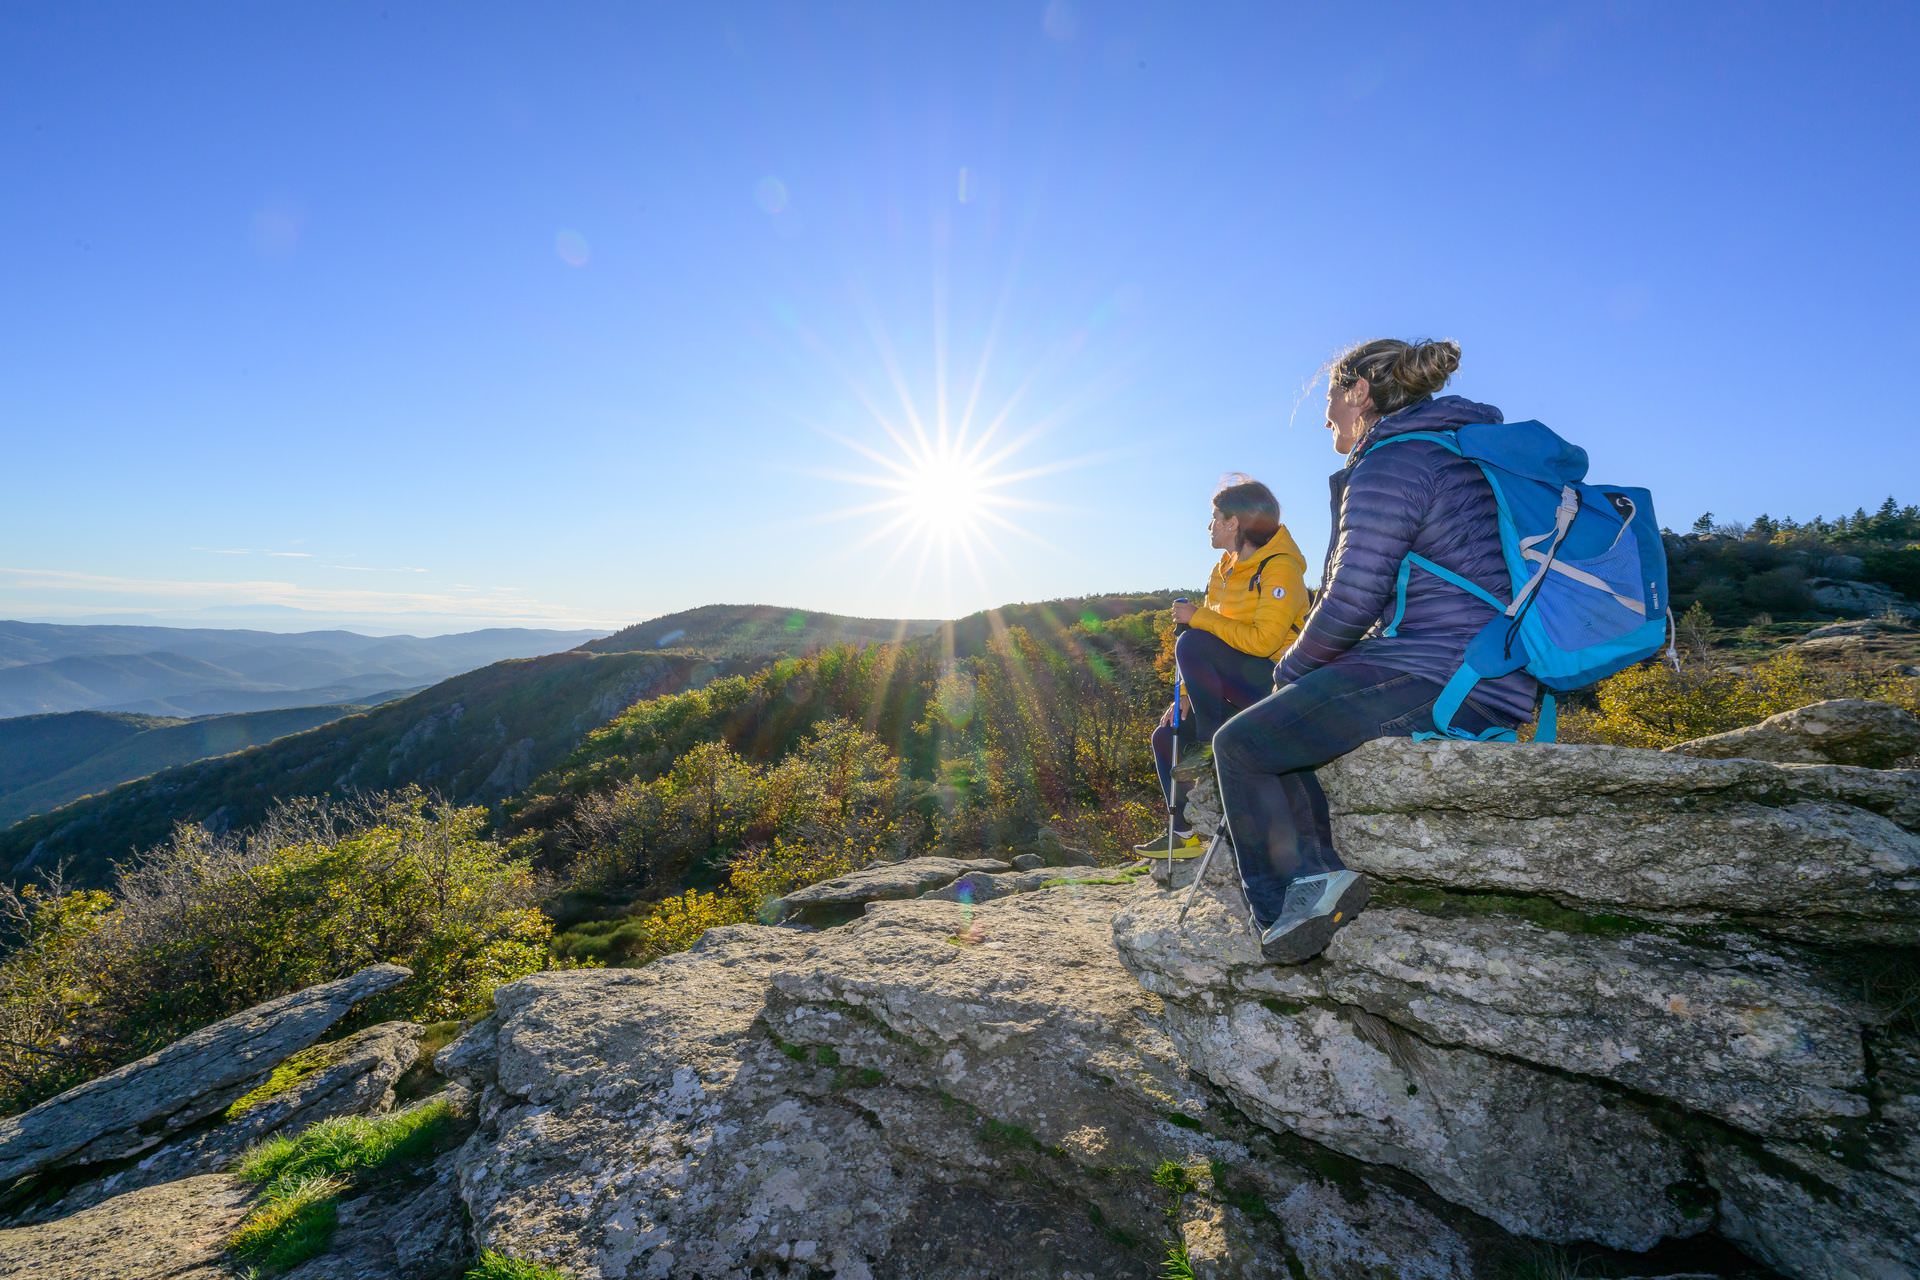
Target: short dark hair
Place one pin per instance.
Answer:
(1254, 506)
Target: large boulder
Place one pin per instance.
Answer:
(1732, 1029)
(144, 1103)
(1860, 598)
(1573, 1076)
(1823, 853)
(985, 886)
(1480, 1128)
(1840, 731)
(839, 899)
(935, 1091)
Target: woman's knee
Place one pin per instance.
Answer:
(1191, 647)
(1231, 740)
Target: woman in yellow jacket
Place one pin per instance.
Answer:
(1255, 601)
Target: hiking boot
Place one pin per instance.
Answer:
(1315, 907)
(1186, 844)
(1195, 762)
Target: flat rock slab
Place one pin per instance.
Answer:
(1824, 853)
(985, 886)
(832, 900)
(353, 1076)
(1874, 735)
(1734, 1030)
(174, 1231)
(138, 1106)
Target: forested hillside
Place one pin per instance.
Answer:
(478, 738)
(47, 761)
(1770, 569)
(748, 630)
(475, 738)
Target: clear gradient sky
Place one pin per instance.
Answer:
(429, 316)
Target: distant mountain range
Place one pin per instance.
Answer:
(181, 671)
(478, 737)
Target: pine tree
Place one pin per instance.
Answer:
(1704, 524)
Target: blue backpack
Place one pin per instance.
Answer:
(1587, 571)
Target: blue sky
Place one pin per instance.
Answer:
(423, 317)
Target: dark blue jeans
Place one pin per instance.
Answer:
(1266, 755)
(1219, 680)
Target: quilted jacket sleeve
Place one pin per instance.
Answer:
(1387, 498)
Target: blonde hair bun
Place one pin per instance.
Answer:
(1424, 367)
(1398, 373)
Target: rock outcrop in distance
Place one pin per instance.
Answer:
(1650, 1009)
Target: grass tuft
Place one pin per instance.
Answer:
(498, 1266)
(1547, 1262)
(1176, 1266)
(304, 1176)
(1173, 1176)
(348, 1145)
(293, 1222)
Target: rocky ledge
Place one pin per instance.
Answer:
(1654, 1009)
(936, 1091)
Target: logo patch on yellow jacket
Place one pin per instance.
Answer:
(1279, 593)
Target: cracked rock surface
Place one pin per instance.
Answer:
(934, 1091)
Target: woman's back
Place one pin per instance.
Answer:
(1413, 496)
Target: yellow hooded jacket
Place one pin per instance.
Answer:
(1257, 617)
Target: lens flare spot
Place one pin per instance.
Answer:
(771, 194)
(572, 247)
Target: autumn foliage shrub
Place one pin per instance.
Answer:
(1655, 705)
(207, 925)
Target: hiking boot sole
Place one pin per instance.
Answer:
(1311, 936)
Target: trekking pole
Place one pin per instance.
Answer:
(1199, 875)
(1173, 743)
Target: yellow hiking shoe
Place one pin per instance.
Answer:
(1186, 844)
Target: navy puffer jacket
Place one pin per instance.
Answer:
(1412, 497)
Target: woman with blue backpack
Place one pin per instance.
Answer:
(1343, 683)
(1469, 556)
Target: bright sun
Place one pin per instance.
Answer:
(950, 471)
(945, 495)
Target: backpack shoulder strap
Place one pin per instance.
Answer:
(1447, 440)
